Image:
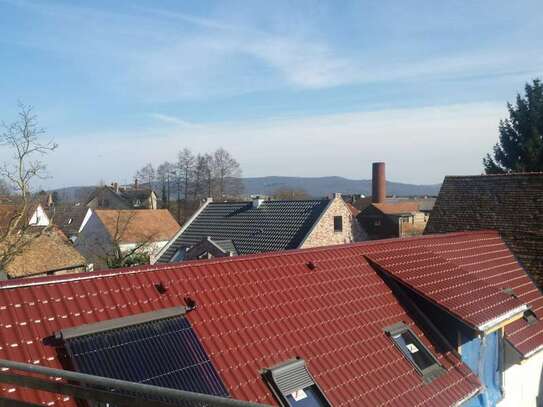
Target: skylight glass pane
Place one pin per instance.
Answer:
(308, 397)
(414, 350)
(164, 353)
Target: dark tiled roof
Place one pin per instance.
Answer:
(511, 204)
(132, 194)
(68, 217)
(256, 311)
(274, 225)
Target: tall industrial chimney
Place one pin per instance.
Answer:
(378, 183)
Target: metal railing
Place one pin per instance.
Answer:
(103, 390)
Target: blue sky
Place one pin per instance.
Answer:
(290, 88)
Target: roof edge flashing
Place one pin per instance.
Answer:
(116, 323)
(528, 355)
(491, 325)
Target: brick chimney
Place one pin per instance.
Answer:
(378, 183)
(135, 183)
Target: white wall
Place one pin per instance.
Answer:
(93, 241)
(521, 382)
(152, 248)
(39, 217)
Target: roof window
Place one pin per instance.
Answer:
(158, 348)
(293, 385)
(415, 351)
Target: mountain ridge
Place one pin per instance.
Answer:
(314, 186)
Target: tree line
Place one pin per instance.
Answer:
(195, 176)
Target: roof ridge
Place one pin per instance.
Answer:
(9, 284)
(511, 174)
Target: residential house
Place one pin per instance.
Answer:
(261, 226)
(511, 204)
(69, 218)
(143, 230)
(45, 252)
(418, 321)
(38, 248)
(116, 197)
(384, 218)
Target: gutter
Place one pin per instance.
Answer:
(496, 323)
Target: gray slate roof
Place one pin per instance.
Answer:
(275, 225)
(68, 217)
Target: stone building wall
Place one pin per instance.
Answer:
(323, 233)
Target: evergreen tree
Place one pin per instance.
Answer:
(520, 145)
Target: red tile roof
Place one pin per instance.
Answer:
(397, 208)
(256, 311)
(461, 292)
(354, 211)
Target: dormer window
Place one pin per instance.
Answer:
(415, 351)
(293, 385)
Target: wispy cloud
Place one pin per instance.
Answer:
(337, 144)
(167, 119)
(160, 55)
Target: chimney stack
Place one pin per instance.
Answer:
(135, 183)
(378, 183)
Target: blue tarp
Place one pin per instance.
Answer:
(482, 355)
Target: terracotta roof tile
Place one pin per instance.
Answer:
(511, 204)
(139, 225)
(397, 208)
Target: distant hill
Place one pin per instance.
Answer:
(322, 186)
(314, 186)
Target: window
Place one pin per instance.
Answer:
(415, 351)
(158, 348)
(338, 223)
(293, 385)
(377, 222)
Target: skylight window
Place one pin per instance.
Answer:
(415, 351)
(293, 385)
(158, 348)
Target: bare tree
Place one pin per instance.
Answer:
(147, 174)
(164, 172)
(200, 173)
(185, 165)
(23, 138)
(5, 188)
(111, 252)
(208, 175)
(227, 174)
